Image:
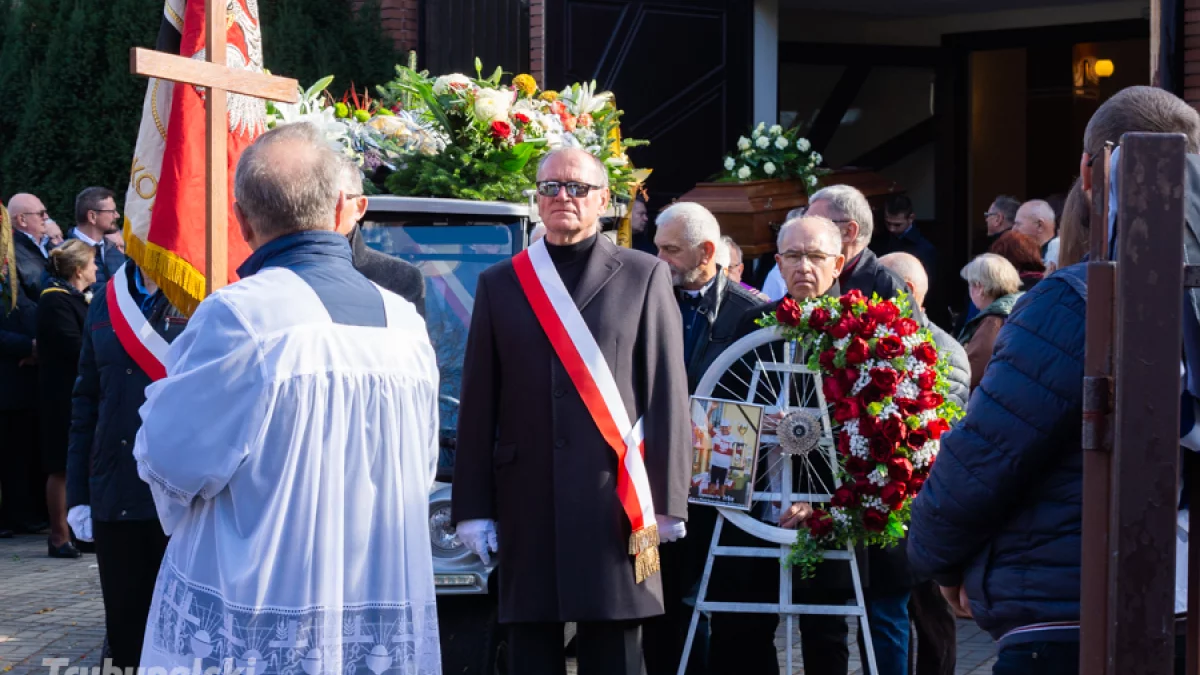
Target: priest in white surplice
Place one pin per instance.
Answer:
(291, 449)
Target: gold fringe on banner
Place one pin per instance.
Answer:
(644, 545)
(180, 282)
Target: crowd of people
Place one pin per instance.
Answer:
(193, 471)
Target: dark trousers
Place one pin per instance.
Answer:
(22, 483)
(935, 632)
(601, 648)
(129, 554)
(663, 636)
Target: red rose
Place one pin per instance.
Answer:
(886, 379)
(869, 426)
(893, 495)
(852, 298)
(844, 497)
(857, 466)
(927, 379)
(867, 328)
(862, 486)
(884, 312)
(501, 129)
(820, 524)
(905, 327)
(843, 444)
(937, 427)
(521, 117)
(826, 360)
(889, 347)
(846, 409)
(818, 318)
(874, 520)
(858, 351)
(840, 329)
(871, 393)
(881, 449)
(788, 312)
(929, 400)
(899, 468)
(917, 439)
(915, 484)
(893, 429)
(832, 387)
(907, 407)
(926, 353)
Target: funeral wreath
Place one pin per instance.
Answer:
(773, 153)
(884, 385)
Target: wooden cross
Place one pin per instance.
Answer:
(219, 80)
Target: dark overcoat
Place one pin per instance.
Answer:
(530, 457)
(60, 316)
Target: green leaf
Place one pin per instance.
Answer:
(318, 86)
(518, 157)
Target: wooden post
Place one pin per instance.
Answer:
(218, 80)
(1156, 19)
(1145, 458)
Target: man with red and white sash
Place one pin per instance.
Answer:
(574, 444)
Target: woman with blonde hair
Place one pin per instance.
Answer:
(995, 286)
(61, 312)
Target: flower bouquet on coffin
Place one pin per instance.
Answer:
(773, 153)
(885, 386)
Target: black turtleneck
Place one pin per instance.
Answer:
(570, 260)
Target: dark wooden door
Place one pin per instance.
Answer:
(680, 70)
(454, 32)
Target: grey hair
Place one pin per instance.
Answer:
(350, 178)
(599, 170)
(827, 229)
(89, 200)
(699, 224)
(722, 254)
(993, 274)
(910, 269)
(733, 247)
(851, 204)
(288, 181)
(1039, 209)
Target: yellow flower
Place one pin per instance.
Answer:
(549, 96)
(525, 84)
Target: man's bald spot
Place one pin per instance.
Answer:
(1038, 210)
(826, 230)
(23, 202)
(910, 270)
(599, 173)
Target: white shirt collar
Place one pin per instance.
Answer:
(703, 290)
(40, 244)
(85, 239)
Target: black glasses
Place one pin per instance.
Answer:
(40, 214)
(550, 188)
(989, 214)
(813, 257)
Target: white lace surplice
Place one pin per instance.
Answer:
(290, 460)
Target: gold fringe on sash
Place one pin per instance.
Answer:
(643, 545)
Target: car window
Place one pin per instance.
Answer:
(451, 253)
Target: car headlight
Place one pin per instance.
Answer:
(441, 533)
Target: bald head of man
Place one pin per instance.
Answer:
(28, 215)
(1035, 219)
(908, 268)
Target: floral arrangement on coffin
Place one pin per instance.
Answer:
(773, 153)
(885, 386)
(373, 135)
(497, 133)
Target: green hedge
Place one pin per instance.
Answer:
(71, 109)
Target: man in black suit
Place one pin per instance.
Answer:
(850, 211)
(96, 215)
(398, 276)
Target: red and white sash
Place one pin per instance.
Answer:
(147, 348)
(581, 356)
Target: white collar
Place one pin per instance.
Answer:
(40, 244)
(702, 291)
(85, 239)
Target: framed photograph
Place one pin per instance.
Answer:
(724, 452)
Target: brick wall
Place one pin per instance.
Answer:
(1191, 53)
(537, 40)
(400, 21)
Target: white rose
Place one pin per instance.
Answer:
(775, 130)
(743, 173)
(781, 142)
(815, 158)
(743, 143)
(812, 180)
(759, 129)
(492, 105)
(769, 168)
(729, 164)
(442, 85)
(763, 142)
(803, 145)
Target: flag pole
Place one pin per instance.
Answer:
(216, 248)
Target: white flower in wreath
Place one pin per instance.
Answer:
(743, 143)
(759, 129)
(491, 105)
(803, 145)
(730, 163)
(743, 173)
(815, 158)
(763, 142)
(769, 168)
(443, 84)
(781, 143)
(812, 181)
(775, 130)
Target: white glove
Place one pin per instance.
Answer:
(670, 529)
(480, 536)
(80, 520)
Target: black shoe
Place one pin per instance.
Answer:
(67, 550)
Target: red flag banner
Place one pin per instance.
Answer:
(164, 205)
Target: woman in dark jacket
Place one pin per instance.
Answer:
(61, 311)
(1024, 254)
(994, 287)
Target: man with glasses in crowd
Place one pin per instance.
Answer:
(1000, 217)
(96, 216)
(31, 249)
(537, 472)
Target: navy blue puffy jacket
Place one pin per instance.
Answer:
(1002, 509)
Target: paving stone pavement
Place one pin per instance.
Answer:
(53, 609)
